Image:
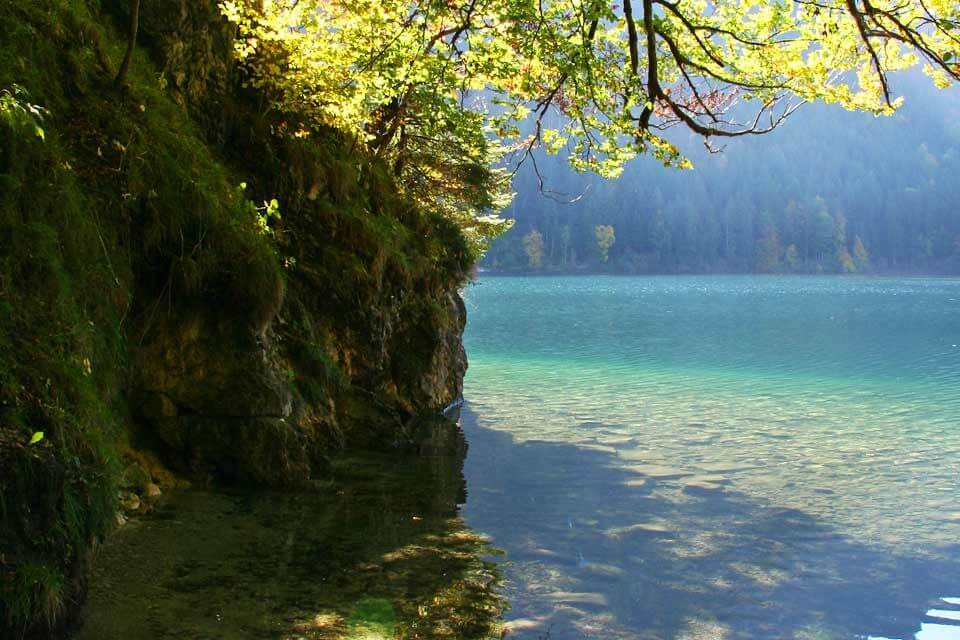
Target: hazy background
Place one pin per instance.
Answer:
(796, 200)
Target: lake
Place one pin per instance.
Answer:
(670, 458)
(718, 457)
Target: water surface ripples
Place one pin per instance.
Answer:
(690, 424)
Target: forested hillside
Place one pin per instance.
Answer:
(803, 199)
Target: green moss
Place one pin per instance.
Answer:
(123, 213)
(367, 262)
(372, 618)
(120, 210)
(36, 593)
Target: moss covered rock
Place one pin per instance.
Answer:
(147, 302)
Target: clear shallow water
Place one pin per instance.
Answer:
(376, 553)
(719, 457)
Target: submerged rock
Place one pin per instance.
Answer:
(659, 472)
(704, 484)
(649, 528)
(695, 487)
(130, 502)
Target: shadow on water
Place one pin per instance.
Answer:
(378, 553)
(594, 550)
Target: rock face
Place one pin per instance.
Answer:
(217, 404)
(442, 382)
(266, 396)
(241, 402)
(223, 399)
(192, 43)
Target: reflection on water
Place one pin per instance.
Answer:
(674, 458)
(380, 553)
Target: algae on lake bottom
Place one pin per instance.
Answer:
(379, 552)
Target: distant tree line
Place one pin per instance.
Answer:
(832, 192)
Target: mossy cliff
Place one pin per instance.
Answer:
(151, 302)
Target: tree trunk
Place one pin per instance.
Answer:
(121, 78)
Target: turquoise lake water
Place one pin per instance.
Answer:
(718, 457)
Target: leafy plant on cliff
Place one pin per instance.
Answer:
(19, 114)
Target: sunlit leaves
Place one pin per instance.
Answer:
(395, 76)
(19, 114)
(447, 89)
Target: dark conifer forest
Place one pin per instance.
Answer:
(830, 192)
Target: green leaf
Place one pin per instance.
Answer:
(36, 437)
